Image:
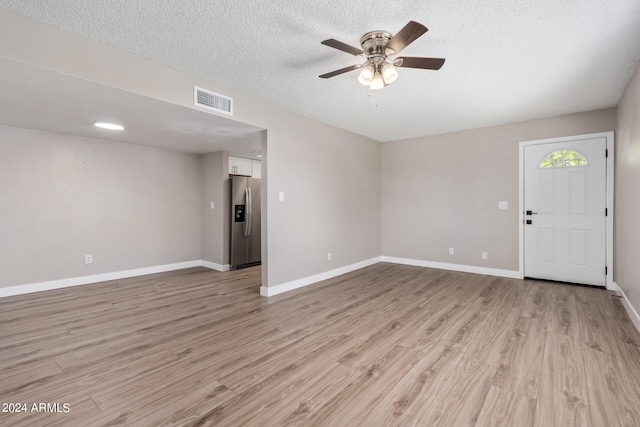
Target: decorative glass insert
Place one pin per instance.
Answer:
(562, 158)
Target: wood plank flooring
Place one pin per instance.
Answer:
(385, 345)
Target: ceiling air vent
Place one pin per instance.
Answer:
(212, 101)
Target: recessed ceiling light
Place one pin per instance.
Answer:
(110, 126)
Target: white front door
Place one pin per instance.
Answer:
(564, 203)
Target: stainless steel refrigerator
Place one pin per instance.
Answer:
(245, 221)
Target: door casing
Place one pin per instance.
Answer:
(609, 197)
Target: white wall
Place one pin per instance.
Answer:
(627, 194)
(62, 197)
(442, 191)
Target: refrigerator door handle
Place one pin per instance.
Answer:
(247, 221)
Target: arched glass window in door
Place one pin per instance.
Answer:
(562, 158)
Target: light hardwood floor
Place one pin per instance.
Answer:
(385, 345)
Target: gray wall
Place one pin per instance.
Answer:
(331, 182)
(215, 232)
(343, 192)
(442, 191)
(63, 197)
(322, 170)
(627, 195)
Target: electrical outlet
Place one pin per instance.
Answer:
(88, 259)
(328, 256)
(451, 251)
(485, 255)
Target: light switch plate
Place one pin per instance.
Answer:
(281, 196)
(503, 204)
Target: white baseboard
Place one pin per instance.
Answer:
(215, 266)
(633, 314)
(455, 267)
(305, 281)
(269, 291)
(264, 290)
(86, 280)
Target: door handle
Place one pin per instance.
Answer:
(249, 212)
(531, 213)
(245, 225)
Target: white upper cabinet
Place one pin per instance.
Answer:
(239, 166)
(245, 167)
(256, 169)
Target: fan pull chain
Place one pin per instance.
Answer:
(377, 103)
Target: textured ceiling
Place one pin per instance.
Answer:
(506, 61)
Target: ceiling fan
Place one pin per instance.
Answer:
(379, 70)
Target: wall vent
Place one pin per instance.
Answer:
(212, 101)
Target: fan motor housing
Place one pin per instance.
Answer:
(373, 43)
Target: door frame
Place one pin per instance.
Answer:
(609, 196)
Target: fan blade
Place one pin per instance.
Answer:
(342, 46)
(416, 62)
(340, 71)
(405, 37)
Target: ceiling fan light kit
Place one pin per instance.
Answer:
(377, 82)
(389, 73)
(378, 73)
(379, 70)
(366, 75)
